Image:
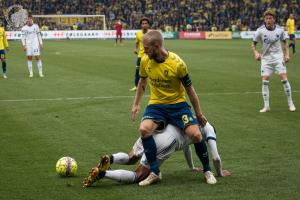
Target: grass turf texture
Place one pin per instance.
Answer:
(43, 122)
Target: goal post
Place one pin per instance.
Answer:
(71, 22)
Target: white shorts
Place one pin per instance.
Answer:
(32, 50)
(267, 69)
(165, 144)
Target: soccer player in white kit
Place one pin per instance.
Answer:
(32, 44)
(272, 57)
(170, 140)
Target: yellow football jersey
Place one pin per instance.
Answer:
(165, 79)
(290, 24)
(3, 40)
(138, 39)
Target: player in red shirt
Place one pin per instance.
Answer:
(118, 28)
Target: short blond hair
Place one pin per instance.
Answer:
(269, 12)
(154, 37)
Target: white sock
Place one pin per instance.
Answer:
(120, 158)
(215, 156)
(288, 91)
(266, 93)
(122, 176)
(40, 66)
(213, 149)
(29, 63)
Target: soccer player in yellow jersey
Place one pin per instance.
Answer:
(3, 47)
(139, 49)
(290, 26)
(169, 80)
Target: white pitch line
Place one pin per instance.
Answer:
(123, 97)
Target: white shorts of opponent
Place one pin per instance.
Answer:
(32, 50)
(166, 146)
(268, 68)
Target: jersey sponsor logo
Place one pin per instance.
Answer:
(166, 72)
(26, 33)
(160, 83)
(270, 40)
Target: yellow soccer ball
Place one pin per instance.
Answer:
(66, 166)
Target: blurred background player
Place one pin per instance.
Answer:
(32, 44)
(290, 26)
(139, 49)
(3, 47)
(118, 28)
(272, 57)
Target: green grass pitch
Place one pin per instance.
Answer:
(81, 108)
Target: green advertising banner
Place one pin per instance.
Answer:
(236, 35)
(170, 35)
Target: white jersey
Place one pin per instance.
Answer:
(170, 140)
(271, 43)
(31, 35)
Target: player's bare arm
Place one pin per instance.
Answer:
(196, 104)
(39, 34)
(138, 96)
(189, 159)
(136, 49)
(255, 52)
(286, 51)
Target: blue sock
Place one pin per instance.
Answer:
(150, 152)
(4, 67)
(294, 48)
(201, 151)
(137, 76)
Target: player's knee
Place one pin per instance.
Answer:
(196, 137)
(145, 131)
(194, 133)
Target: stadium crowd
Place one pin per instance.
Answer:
(168, 15)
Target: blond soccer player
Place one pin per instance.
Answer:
(272, 58)
(169, 80)
(33, 44)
